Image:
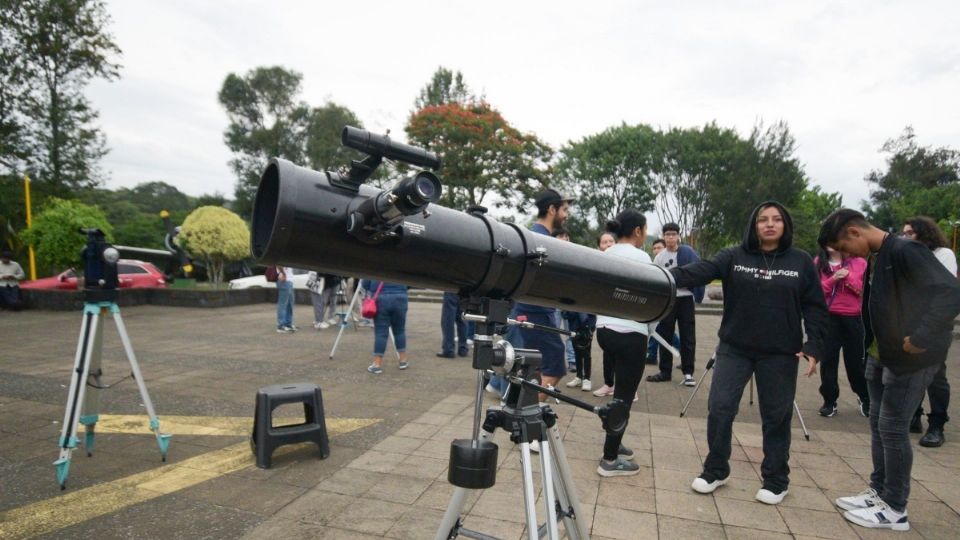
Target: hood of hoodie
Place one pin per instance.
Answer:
(751, 242)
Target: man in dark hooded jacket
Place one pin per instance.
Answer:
(769, 289)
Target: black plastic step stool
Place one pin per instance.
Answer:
(266, 438)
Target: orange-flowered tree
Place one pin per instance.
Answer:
(486, 161)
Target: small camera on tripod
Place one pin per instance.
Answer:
(100, 279)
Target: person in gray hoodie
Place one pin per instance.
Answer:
(771, 291)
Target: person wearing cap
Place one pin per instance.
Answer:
(553, 209)
(10, 275)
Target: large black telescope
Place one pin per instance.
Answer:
(329, 222)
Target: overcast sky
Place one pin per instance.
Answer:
(845, 76)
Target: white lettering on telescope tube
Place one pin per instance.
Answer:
(414, 228)
(625, 296)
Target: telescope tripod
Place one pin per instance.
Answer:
(710, 365)
(83, 407)
(473, 462)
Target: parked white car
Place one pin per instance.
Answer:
(299, 280)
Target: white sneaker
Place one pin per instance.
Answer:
(333, 320)
(316, 326)
(575, 382)
(491, 389)
(864, 499)
(688, 380)
(708, 484)
(636, 397)
(535, 447)
(603, 391)
(324, 325)
(767, 496)
(879, 516)
(587, 385)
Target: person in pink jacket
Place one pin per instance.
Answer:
(841, 279)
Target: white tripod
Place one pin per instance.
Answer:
(84, 408)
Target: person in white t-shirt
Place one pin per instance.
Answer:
(624, 342)
(10, 275)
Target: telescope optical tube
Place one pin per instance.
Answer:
(300, 219)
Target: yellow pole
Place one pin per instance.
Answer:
(26, 198)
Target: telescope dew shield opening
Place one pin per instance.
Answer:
(300, 219)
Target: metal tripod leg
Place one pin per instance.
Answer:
(751, 390)
(696, 388)
(529, 497)
(90, 413)
(336, 342)
(163, 440)
(803, 425)
(565, 492)
(75, 395)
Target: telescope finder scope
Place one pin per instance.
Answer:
(381, 145)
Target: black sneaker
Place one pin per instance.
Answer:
(828, 410)
(933, 438)
(864, 408)
(659, 377)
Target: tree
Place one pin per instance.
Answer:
(918, 180)
(323, 149)
(809, 211)
(62, 45)
(763, 167)
(687, 164)
(482, 154)
(216, 235)
(445, 87)
(267, 120)
(55, 233)
(610, 171)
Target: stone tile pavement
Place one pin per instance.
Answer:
(386, 476)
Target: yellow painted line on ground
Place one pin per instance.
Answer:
(74, 507)
(139, 424)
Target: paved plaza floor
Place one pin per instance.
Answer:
(390, 436)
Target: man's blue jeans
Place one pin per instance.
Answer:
(284, 304)
(893, 400)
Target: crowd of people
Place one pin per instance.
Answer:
(884, 303)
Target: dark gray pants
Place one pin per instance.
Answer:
(893, 400)
(776, 388)
(939, 394)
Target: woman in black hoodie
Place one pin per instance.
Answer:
(769, 287)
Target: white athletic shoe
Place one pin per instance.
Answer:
(768, 496)
(574, 382)
(879, 516)
(535, 447)
(586, 386)
(864, 499)
(706, 483)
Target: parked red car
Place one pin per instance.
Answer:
(131, 273)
